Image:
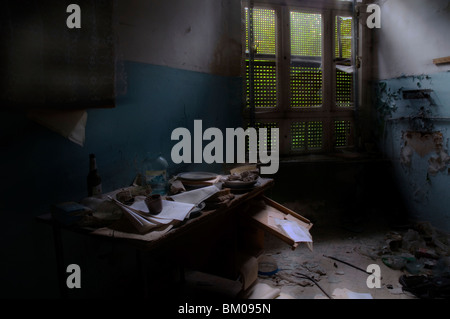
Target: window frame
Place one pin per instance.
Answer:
(283, 113)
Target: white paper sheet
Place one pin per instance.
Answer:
(171, 210)
(295, 231)
(140, 223)
(348, 294)
(70, 124)
(196, 196)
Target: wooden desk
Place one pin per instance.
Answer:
(196, 234)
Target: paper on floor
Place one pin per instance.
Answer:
(348, 294)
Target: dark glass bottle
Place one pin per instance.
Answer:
(94, 181)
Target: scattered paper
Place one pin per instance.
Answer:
(295, 231)
(263, 291)
(138, 214)
(347, 294)
(170, 211)
(141, 223)
(196, 196)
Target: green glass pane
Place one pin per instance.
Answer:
(343, 37)
(344, 89)
(306, 87)
(306, 34)
(270, 141)
(264, 85)
(264, 30)
(315, 135)
(342, 133)
(306, 136)
(298, 136)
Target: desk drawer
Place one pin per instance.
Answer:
(281, 222)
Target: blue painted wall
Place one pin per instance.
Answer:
(426, 194)
(159, 99)
(40, 167)
(182, 62)
(411, 36)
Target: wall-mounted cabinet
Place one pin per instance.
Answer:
(45, 64)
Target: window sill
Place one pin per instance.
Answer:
(338, 157)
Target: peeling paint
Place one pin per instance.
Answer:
(406, 155)
(424, 144)
(438, 164)
(415, 133)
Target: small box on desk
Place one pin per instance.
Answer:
(69, 213)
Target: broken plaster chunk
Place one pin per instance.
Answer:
(438, 164)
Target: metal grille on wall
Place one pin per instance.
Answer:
(343, 55)
(306, 87)
(343, 132)
(343, 37)
(306, 76)
(264, 30)
(307, 136)
(291, 93)
(264, 84)
(344, 89)
(306, 34)
(261, 46)
(269, 140)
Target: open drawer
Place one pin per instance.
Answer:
(281, 222)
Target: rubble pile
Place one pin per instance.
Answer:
(423, 254)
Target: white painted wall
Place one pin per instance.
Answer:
(412, 34)
(197, 35)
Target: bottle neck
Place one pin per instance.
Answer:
(92, 164)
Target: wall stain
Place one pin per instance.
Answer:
(227, 57)
(424, 144)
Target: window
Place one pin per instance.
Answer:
(299, 74)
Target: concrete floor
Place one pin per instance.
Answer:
(330, 274)
(355, 240)
(359, 245)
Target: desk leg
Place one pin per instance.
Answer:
(60, 261)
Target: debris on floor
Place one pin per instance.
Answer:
(423, 254)
(346, 294)
(308, 274)
(415, 263)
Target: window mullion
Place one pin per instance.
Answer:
(328, 78)
(327, 61)
(284, 59)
